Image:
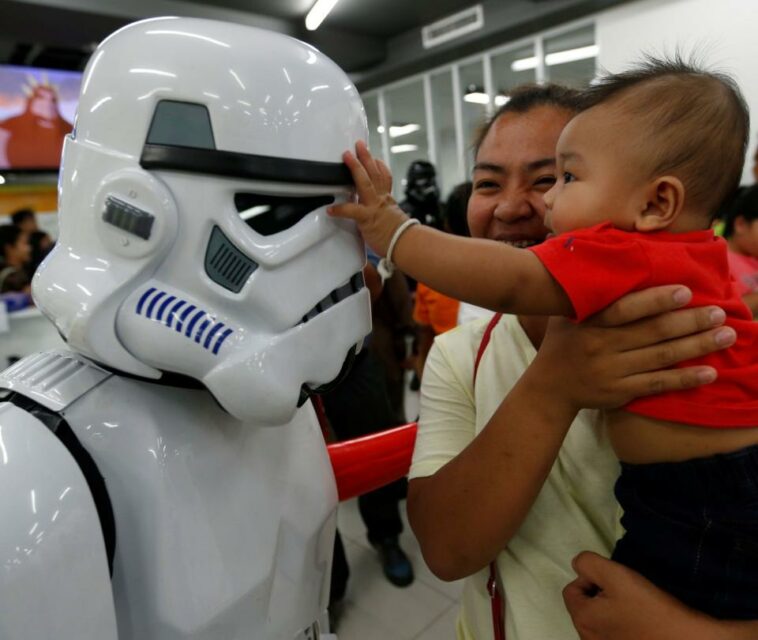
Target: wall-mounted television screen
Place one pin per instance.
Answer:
(37, 108)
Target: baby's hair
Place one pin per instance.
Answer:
(696, 124)
(526, 97)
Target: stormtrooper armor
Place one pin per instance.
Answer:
(166, 478)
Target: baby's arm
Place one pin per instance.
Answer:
(483, 272)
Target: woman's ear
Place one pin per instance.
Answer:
(664, 203)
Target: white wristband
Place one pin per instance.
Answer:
(385, 267)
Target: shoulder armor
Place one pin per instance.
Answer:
(54, 379)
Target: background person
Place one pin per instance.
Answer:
(433, 312)
(15, 250)
(422, 195)
(40, 243)
(741, 233)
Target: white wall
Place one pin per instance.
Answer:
(724, 33)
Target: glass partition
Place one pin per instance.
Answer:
(571, 57)
(475, 102)
(446, 150)
(511, 69)
(371, 105)
(461, 99)
(406, 122)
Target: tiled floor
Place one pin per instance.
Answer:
(374, 609)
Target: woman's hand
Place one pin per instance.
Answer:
(628, 350)
(608, 601)
(376, 212)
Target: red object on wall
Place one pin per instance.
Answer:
(367, 463)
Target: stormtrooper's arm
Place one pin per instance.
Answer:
(370, 462)
(54, 580)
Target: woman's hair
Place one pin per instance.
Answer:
(21, 215)
(454, 210)
(744, 204)
(9, 235)
(526, 97)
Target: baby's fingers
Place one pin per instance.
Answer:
(349, 210)
(364, 187)
(370, 164)
(385, 176)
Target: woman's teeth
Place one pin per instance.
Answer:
(521, 244)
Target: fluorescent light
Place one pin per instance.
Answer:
(318, 12)
(380, 129)
(2, 179)
(403, 148)
(571, 55)
(524, 64)
(477, 97)
(403, 129)
(559, 57)
(501, 100)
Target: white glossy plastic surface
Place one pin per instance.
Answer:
(224, 529)
(54, 580)
(266, 95)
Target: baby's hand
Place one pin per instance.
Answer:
(376, 212)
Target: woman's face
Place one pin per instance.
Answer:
(514, 168)
(20, 252)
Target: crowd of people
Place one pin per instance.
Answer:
(23, 246)
(522, 479)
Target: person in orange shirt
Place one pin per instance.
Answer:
(433, 312)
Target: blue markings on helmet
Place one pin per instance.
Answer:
(220, 341)
(174, 311)
(181, 312)
(165, 304)
(193, 322)
(211, 333)
(143, 298)
(201, 330)
(153, 302)
(185, 315)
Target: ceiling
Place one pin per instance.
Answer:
(376, 41)
(377, 18)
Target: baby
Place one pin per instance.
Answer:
(640, 171)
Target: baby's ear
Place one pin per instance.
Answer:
(665, 201)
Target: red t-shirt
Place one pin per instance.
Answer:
(596, 266)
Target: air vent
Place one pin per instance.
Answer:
(451, 27)
(225, 264)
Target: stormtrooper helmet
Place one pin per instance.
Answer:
(421, 182)
(194, 237)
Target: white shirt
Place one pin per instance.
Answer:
(574, 511)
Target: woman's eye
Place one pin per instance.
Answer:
(548, 181)
(486, 184)
(568, 177)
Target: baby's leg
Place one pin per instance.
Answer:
(692, 528)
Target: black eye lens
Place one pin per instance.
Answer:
(268, 215)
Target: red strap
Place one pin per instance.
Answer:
(496, 598)
(498, 607)
(323, 421)
(485, 341)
